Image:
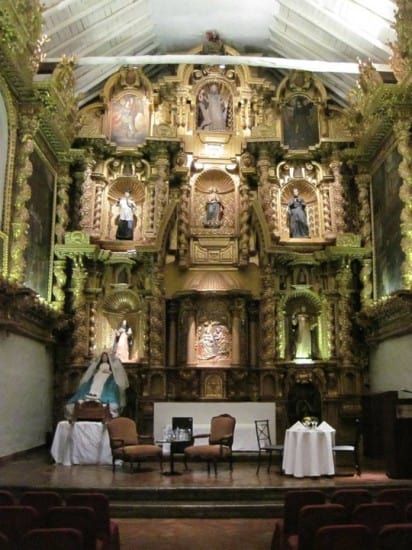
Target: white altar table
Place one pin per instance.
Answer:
(245, 413)
(81, 443)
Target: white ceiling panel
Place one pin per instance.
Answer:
(326, 30)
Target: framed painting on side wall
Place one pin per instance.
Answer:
(386, 209)
(38, 254)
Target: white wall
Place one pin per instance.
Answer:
(26, 393)
(391, 365)
(201, 412)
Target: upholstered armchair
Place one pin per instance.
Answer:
(125, 444)
(220, 443)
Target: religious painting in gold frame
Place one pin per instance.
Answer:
(38, 253)
(386, 209)
(129, 118)
(300, 122)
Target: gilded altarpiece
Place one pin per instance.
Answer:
(221, 300)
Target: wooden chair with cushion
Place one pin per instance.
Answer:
(4, 542)
(312, 518)
(219, 448)
(265, 444)
(395, 536)
(344, 537)
(107, 529)
(82, 518)
(61, 538)
(294, 501)
(352, 448)
(351, 498)
(375, 515)
(6, 498)
(41, 501)
(125, 443)
(401, 496)
(15, 521)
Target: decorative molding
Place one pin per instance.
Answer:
(24, 312)
(388, 318)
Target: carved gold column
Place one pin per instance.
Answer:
(265, 196)
(253, 318)
(181, 110)
(86, 191)
(92, 324)
(402, 131)
(267, 316)
(172, 318)
(151, 209)
(157, 320)
(76, 248)
(191, 335)
(145, 335)
(20, 221)
(60, 279)
(244, 222)
(62, 216)
(80, 348)
(344, 315)
(237, 309)
(363, 181)
(99, 184)
(161, 169)
(78, 178)
(337, 197)
(183, 225)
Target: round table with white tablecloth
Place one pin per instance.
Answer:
(308, 451)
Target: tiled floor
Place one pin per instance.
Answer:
(37, 470)
(196, 534)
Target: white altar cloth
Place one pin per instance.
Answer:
(81, 443)
(245, 413)
(308, 451)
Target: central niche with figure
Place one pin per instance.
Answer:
(214, 107)
(213, 209)
(214, 341)
(214, 332)
(303, 331)
(213, 203)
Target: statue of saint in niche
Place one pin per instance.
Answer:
(303, 332)
(297, 217)
(127, 209)
(213, 209)
(123, 342)
(213, 108)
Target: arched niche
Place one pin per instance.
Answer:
(214, 106)
(116, 191)
(221, 185)
(305, 389)
(123, 304)
(268, 386)
(308, 193)
(302, 318)
(214, 385)
(157, 385)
